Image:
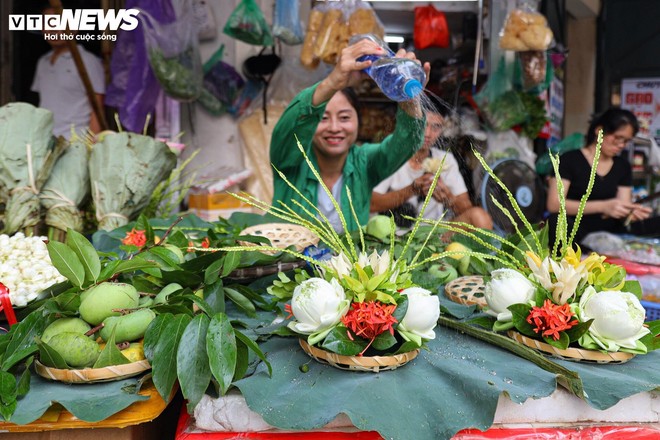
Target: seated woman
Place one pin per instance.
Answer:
(403, 193)
(610, 205)
(324, 118)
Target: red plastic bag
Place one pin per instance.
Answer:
(431, 28)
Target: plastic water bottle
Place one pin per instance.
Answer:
(400, 79)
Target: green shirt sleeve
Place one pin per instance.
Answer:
(299, 119)
(385, 158)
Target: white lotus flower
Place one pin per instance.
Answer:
(540, 269)
(567, 279)
(379, 263)
(507, 287)
(317, 305)
(618, 318)
(422, 313)
(341, 265)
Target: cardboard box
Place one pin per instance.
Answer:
(210, 207)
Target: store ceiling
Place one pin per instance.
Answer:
(399, 17)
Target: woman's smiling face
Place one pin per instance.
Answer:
(338, 129)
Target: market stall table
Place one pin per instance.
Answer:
(138, 420)
(458, 384)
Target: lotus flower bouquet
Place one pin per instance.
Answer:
(357, 307)
(357, 303)
(558, 297)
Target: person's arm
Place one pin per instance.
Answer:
(385, 158)
(617, 207)
(384, 201)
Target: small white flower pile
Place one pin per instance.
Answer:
(25, 267)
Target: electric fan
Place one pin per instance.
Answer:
(525, 186)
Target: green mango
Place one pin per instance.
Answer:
(464, 265)
(145, 301)
(78, 350)
(161, 298)
(73, 325)
(379, 226)
(99, 301)
(128, 327)
(443, 272)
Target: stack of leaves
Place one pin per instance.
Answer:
(124, 170)
(28, 152)
(66, 189)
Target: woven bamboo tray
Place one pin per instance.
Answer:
(282, 235)
(373, 364)
(572, 354)
(92, 375)
(468, 290)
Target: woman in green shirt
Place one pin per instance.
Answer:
(324, 118)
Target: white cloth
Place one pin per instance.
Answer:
(327, 208)
(404, 176)
(62, 91)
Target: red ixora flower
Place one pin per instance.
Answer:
(551, 319)
(369, 319)
(206, 243)
(135, 237)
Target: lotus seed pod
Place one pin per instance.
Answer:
(62, 325)
(78, 350)
(161, 298)
(128, 327)
(99, 301)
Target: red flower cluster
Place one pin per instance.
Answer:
(369, 319)
(551, 319)
(135, 238)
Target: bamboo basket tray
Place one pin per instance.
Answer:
(282, 235)
(92, 375)
(373, 364)
(468, 290)
(572, 354)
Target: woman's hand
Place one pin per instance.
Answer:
(346, 69)
(640, 212)
(617, 208)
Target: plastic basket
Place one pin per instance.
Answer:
(652, 310)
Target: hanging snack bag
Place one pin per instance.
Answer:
(431, 29)
(307, 58)
(332, 32)
(363, 20)
(525, 29)
(248, 24)
(286, 22)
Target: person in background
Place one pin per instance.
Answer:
(60, 88)
(403, 193)
(324, 118)
(610, 207)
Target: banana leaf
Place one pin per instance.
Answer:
(28, 151)
(66, 189)
(124, 170)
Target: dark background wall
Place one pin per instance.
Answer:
(628, 45)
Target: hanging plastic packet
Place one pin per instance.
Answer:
(431, 29)
(329, 27)
(286, 22)
(248, 24)
(173, 52)
(222, 82)
(249, 93)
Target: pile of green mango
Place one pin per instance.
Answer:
(70, 337)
